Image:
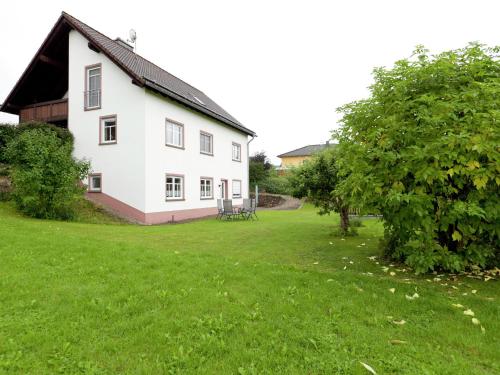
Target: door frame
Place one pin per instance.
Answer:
(223, 188)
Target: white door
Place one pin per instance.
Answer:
(223, 189)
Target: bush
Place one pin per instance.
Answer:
(276, 185)
(45, 177)
(357, 223)
(63, 134)
(7, 133)
(423, 151)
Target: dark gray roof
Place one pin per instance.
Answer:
(144, 73)
(307, 150)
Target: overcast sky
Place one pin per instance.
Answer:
(280, 67)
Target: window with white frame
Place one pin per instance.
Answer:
(174, 187)
(236, 152)
(206, 188)
(206, 143)
(93, 87)
(174, 134)
(108, 129)
(236, 189)
(95, 183)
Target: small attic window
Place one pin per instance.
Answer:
(198, 100)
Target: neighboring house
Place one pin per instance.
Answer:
(297, 157)
(160, 149)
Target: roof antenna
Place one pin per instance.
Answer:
(132, 38)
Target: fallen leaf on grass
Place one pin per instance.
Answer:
(372, 257)
(469, 312)
(475, 321)
(399, 322)
(454, 287)
(411, 298)
(329, 280)
(392, 273)
(331, 243)
(368, 367)
(474, 291)
(397, 342)
(457, 305)
(345, 267)
(392, 290)
(385, 269)
(483, 330)
(437, 279)
(316, 263)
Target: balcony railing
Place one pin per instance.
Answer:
(54, 110)
(92, 99)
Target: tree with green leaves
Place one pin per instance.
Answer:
(260, 168)
(44, 174)
(318, 180)
(423, 150)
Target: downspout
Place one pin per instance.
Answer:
(248, 163)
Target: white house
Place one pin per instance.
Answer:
(160, 149)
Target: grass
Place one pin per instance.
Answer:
(279, 295)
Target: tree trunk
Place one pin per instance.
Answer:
(344, 219)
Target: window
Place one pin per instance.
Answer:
(93, 87)
(206, 143)
(175, 134)
(236, 189)
(206, 188)
(174, 187)
(95, 185)
(108, 130)
(236, 152)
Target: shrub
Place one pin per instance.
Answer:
(356, 223)
(7, 133)
(45, 177)
(423, 151)
(276, 185)
(63, 134)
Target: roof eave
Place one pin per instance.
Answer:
(154, 86)
(135, 78)
(7, 106)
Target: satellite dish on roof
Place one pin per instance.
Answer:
(132, 35)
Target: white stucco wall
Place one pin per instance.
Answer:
(133, 170)
(121, 164)
(162, 159)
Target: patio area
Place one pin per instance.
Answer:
(227, 211)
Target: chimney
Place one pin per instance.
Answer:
(123, 43)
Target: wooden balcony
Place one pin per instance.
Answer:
(53, 111)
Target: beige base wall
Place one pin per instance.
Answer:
(130, 213)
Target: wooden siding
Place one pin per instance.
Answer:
(55, 110)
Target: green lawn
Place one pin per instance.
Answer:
(280, 295)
